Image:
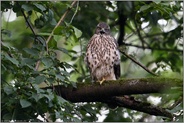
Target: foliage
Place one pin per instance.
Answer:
(152, 35)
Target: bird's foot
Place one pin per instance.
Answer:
(102, 81)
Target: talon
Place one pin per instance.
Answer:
(102, 81)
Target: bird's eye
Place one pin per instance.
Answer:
(107, 30)
(99, 28)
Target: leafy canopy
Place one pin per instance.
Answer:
(152, 34)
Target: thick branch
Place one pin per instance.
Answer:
(141, 106)
(111, 92)
(131, 103)
(94, 92)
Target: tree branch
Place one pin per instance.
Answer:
(121, 21)
(151, 48)
(131, 103)
(175, 104)
(59, 22)
(142, 106)
(113, 91)
(28, 23)
(138, 63)
(87, 92)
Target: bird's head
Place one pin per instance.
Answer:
(102, 28)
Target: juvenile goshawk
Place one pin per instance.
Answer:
(102, 55)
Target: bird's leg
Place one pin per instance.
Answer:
(103, 79)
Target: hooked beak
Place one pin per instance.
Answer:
(102, 31)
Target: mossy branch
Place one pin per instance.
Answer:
(112, 92)
(94, 92)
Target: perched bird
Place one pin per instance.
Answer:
(102, 55)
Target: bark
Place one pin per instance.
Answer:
(94, 92)
(112, 92)
(145, 107)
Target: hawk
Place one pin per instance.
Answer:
(102, 55)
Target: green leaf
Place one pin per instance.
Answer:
(7, 116)
(43, 33)
(39, 6)
(62, 100)
(8, 90)
(63, 50)
(37, 88)
(52, 44)
(74, 84)
(7, 33)
(39, 23)
(31, 51)
(89, 109)
(50, 80)
(157, 1)
(51, 17)
(57, 114)
(58, 76)
(53, 22)
(58, 30)
(78, 33)
(65, 73)
(145, 7)
(57, 37)
(24, 103)
(28, 61)
(66, 65)
(13, 60)
(40, 79)
(27, 7)
(4, 47)
(49, 97)
(50, 13)
(41, 40)
(37, 97)
(47, 62)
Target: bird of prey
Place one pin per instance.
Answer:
(102, 55)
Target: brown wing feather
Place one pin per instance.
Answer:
(117, 71)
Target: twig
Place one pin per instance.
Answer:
(138, 63)
(135, 32)
(175, 104)
(75, 12)
(59, 22)
(30, 26)
(163, 49)
(37, 65)
(139, 34)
